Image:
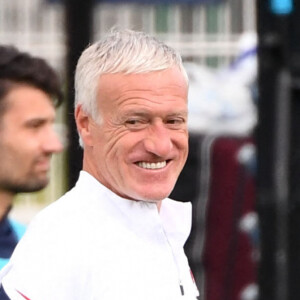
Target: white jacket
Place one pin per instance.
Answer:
(94, 245)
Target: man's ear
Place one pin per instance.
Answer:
(83, 123)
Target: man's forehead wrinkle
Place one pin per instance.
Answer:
(145, 106)
(150, 88)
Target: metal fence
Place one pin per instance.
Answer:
(200, 31)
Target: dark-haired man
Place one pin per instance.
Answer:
(29, 92)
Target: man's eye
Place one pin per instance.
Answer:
(135, 123)
(132, 122)
(35, 124)
(176, 122)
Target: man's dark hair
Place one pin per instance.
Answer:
(18, 67)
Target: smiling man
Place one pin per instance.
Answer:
(29, 87)
(140, 145)
(116, 234)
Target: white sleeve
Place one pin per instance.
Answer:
(42, 265)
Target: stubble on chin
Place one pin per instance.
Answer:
(25, 186)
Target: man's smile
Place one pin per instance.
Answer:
(152, 165)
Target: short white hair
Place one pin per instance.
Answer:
(120, 51)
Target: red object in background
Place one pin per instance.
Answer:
(219, 180)
(228, 251)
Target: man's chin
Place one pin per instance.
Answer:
(154, 196)
(29, 186)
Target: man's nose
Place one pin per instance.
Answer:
(158, 140)
(52, 142)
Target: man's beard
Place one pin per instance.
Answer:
(32, 185)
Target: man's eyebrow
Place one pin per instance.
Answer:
(146, 112)
(179, 113)
(37, 121)
(140, 113)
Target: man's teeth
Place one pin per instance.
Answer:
(147, 165)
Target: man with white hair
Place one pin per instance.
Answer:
(116, 234)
